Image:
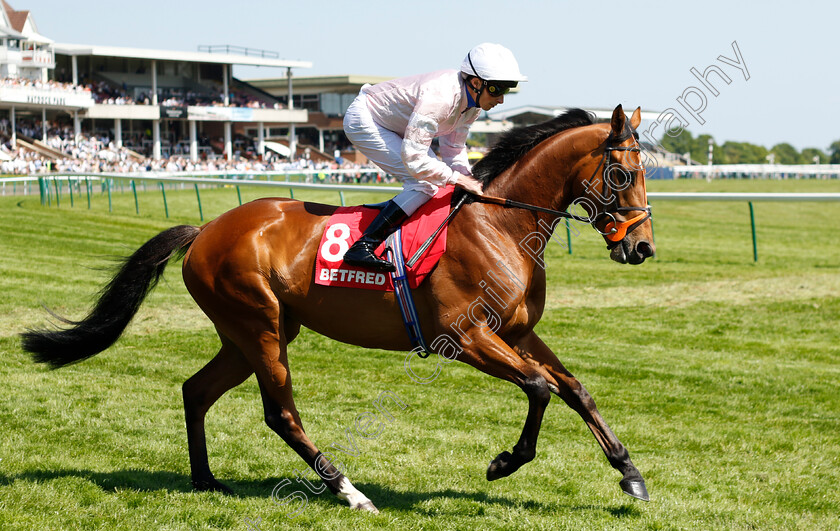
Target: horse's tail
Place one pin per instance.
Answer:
(118, 301)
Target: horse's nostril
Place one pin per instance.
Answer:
(644, 249)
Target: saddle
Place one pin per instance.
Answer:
(347, 224)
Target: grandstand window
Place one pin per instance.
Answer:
(310, 102)
(331, 104)
(211, 71)
(334, 104)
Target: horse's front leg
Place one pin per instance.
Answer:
(493, 356)
(532, 349)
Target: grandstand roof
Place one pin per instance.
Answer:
(349, 83)
(535, 113)
(18, 27)
(16, 18)
(170, 55)
(9, 32)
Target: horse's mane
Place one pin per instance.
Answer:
(514, 144)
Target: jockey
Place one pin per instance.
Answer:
(393, 124)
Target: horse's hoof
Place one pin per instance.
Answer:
(635, 488)
(367, 506)
(499, 467)
(211, 485)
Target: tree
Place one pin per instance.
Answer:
(834, 149)
(680, 144)
(735, 152)
(743, 153)
(808, 155)
(786, 154)
(698, 147)
(757, 154)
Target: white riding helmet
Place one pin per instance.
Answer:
(492, 62)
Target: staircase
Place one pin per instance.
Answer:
(36, 146)
(315, 154)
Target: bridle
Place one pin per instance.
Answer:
(615, 230)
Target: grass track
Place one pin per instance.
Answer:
(718, 374)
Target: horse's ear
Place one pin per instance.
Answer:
(636, 119)
(618, 120)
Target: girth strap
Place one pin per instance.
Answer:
(402, 289)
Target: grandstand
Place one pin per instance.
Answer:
(157, 103)
(58, 100)
(326, 98)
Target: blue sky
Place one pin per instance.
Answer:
(594, 54)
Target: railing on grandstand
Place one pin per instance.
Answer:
(240, 50)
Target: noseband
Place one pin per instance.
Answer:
(615, 230)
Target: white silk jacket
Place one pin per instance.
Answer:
(423, 107)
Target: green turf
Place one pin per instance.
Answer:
(719, 375)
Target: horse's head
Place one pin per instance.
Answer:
(611, 188)
(597, 167)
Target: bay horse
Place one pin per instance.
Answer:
(251, 270)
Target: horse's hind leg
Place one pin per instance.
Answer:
(224, 372)
(567, 387)
(283, 418)
(263, 341)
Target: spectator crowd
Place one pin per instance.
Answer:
(94, 153)
(106, 93)
(99, 154)
(20, 82)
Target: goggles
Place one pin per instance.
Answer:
(499, 88)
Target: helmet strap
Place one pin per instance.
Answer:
(478, 92)
(473, 102)
(480, 89)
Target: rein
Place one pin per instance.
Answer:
(614, 230)
(510, 203)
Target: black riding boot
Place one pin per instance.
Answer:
(362, 252)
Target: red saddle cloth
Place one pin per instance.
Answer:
(343, 229)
